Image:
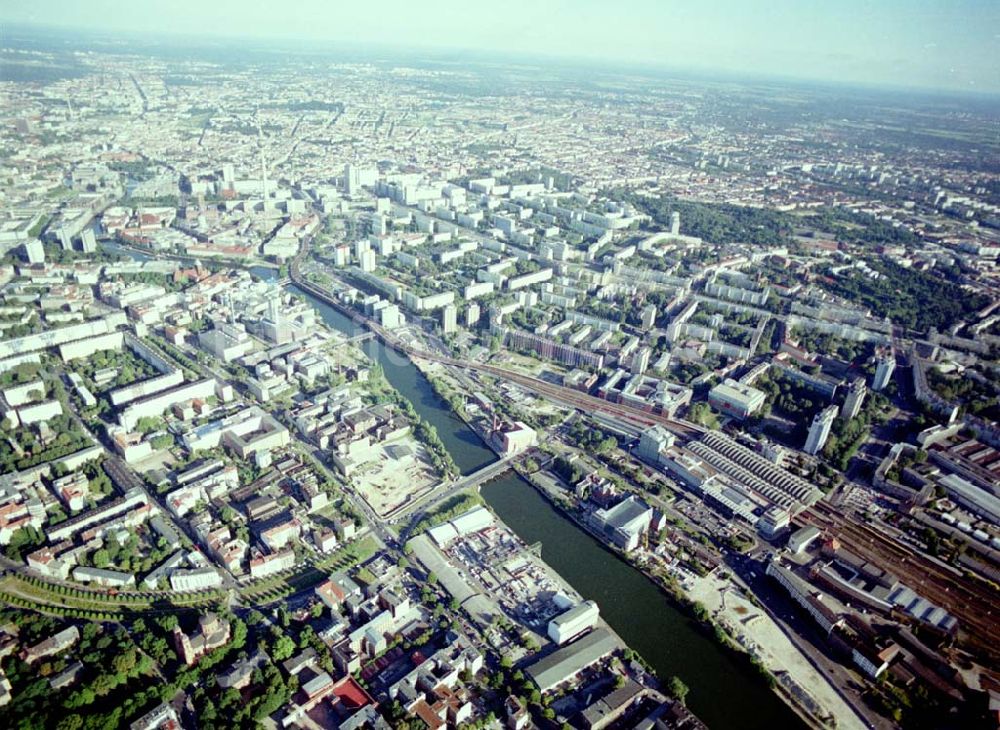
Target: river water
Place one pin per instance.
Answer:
(725, 693)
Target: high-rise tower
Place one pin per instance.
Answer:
(886, 363)
(819, 431)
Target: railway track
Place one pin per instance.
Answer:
(974, 604)
(577, 399)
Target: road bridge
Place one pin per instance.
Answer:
(433, 499)
(363, 337)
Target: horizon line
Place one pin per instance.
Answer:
(647, 68)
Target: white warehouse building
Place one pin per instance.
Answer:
(577, 620)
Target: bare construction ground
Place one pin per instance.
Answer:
(760, 635)
(395, 473)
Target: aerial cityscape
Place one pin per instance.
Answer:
(376, 389)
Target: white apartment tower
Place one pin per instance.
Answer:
(88, 240)
(675, 223)
(449, 319)
(356, 177)
(472, 313)
(274, 308)
(367, 261)
(352, 182)
(886, 363)
(640, 361)
(66, 237)
(34, 251)
(360, 246)
(341, 256)
(819, 431)
(649, 316)
(855, 397)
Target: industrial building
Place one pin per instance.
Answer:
(625, 523)
(226, 341)
(974, 499)
(572, 623)
(745, 466)
(567, 662)
(478, 518)
(802, 538)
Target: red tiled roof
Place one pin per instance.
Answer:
(352, 694)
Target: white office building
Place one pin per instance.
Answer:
(736, 399)
(654, 441)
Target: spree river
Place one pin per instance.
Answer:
(725, 693)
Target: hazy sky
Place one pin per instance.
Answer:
(952, 44)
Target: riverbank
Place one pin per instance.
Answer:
(750, 626)
(707, 616)
(767, 646)
(428, 372)
(466, 448)
(649, 620)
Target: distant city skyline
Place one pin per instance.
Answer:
(921, 44)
